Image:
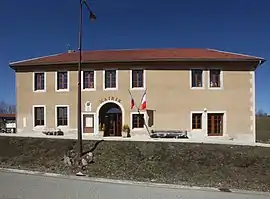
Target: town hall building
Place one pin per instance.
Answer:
(207, 92)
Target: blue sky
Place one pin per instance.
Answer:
(33, 28)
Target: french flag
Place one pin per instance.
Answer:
(143, 104)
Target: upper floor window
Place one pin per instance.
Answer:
(215, 78)
(88, 79)
(197, 78)
(39, 81)
(110, 79)
(62, 80)
(137, 78)
(62, 116)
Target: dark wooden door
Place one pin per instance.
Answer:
(88, 123)
(113, 124)
(119, 124)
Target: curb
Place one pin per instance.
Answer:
(129, 182)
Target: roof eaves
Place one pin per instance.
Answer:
(33, 59)
(144, 60)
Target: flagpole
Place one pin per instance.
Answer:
(138, 108)
(146, 112)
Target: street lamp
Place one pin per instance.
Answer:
(92, 16)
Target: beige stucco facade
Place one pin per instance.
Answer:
(169, 96)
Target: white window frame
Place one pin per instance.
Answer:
(82, 80)
(33, 117)
(55, 116)
(221, 79)
(224, 134)
(202, 122)
(203, 79)
(116, 77)
(144, 79)
(56, 81)
(144, 113)
(37, 91)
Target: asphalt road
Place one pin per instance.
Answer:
(22, 186)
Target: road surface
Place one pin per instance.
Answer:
(23, 186)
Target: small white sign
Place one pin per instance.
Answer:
(89, 122)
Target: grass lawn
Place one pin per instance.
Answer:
(222, 166)
(263, 129)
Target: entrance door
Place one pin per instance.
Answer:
(110, 115)
(88, 123)
(113, 124)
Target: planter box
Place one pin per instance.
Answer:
(124, 134)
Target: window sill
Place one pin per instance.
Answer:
(88, 89)
(62, 127)
(197, 88)
(62, 90)
(137, 88)
(39, 91)
(110, 89)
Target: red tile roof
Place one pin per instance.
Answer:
(100, 56)
(7, 115)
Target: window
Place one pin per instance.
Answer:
(62, 80)
(62, 116)
(214, 78)
(215, 124)
(137, 79)
(39, 81)
(137, 121)
(88, 79)
(110, 79)
(39, 116)
(197, 78)
(196, 120)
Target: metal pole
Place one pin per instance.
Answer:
(79, 120)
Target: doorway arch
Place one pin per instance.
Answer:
(110, 114)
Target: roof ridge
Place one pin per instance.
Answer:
(140, 49)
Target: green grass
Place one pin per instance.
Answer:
(222, 166)
(263, 129)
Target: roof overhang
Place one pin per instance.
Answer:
(14, 65)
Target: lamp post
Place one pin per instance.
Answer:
(92, 16)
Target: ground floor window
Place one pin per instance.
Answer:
(62, 116)
(215, 124)
(39, 116)
(137, 121)
(196, 120)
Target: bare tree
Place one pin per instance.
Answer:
(7, 108)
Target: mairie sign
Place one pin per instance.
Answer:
(110, 98)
